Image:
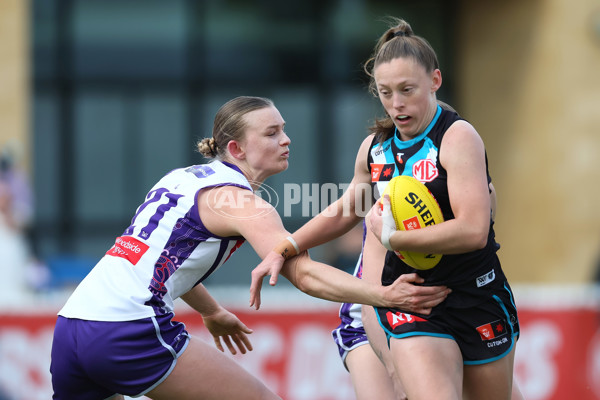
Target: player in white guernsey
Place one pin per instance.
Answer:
(116, 334)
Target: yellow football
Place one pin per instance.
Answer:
(414, 207)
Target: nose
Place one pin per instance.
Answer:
(285, 140)
(397, 101)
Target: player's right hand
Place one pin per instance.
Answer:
(409, 295)
(226, 326)
(271, 265)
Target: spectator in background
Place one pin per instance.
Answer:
(17, 184)
(18, 264)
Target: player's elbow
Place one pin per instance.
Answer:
(476, 238)
(305, 279)
(299, 272)
(480, 243)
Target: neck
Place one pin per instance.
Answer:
(253, 178)
(431, 113)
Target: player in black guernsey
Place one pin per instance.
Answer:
(466, 343)
(419, 158)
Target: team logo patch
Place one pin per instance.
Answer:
(382, 172)
(399, 158)
(485, 279)
(201, 171)
(425, 170)
(396, 319)
(492, 330)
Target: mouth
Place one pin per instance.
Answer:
(286, 154)
(403, 119)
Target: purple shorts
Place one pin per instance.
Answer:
(347, 338)
(350, 333)
(93, 360)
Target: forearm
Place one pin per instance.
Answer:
(328, 283)
(373, 258)
(200, 300)
(449, 237)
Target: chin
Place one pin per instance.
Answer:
(280, 168)
(283, 165)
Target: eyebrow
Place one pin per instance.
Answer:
(402, 82)
(275, 126)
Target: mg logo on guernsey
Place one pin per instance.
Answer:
(425, 170)
(398, 318)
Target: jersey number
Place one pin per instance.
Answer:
(154, 196)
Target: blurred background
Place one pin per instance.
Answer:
(100, 98)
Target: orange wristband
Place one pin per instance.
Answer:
(287, 248)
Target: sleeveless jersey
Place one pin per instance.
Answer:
(164, 253)
(465, 273)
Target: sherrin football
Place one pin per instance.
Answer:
(414, 207)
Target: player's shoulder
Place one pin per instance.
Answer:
(365, 147)
(461, 130)
(366, 144)
(361, 166)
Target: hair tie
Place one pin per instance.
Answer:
(399, 33)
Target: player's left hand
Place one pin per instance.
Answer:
(226, 326)
(381, 221)
(271, 265)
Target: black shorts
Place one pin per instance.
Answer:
(484, 333)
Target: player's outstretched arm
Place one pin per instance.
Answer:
(337, 219)
(325, 282)
(263, 229)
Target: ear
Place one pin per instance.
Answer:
(436, 80)
(235, 149)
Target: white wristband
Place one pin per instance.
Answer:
(388, 227)
(293, 242)
(386, 234)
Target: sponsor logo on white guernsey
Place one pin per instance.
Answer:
(129, 248)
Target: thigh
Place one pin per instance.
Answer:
(421, 360)
(203, 372)
(370, 378)
(492, 380)
(379, 344)
(377, 337)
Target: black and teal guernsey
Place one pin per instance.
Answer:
(468, 274)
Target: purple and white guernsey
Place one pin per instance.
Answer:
(163, 254)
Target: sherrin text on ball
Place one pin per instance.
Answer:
(413, 207)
